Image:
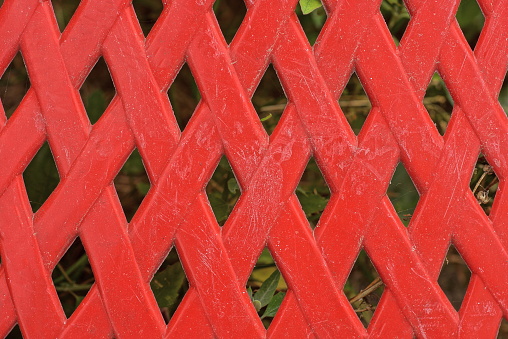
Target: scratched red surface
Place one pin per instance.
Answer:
(176, 212)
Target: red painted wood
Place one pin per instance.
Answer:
(217, 261)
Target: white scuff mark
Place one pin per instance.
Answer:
(40, 123)
(418, 274)
(462, 65)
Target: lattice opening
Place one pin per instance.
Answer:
(73, 277)
(484, 184)
(13, 85)
(313, 192)
(355, 104)
(230, 14)
(312, 16)
(503, 329)
(15, 333)
(223, 191)
(269, 100)
(64, 10)
(471, 20)
(403, 194)
(97, 91)
(132, 184)
(503, 95)
(454, 277)
(439, 103)
(266, 287)
(41, 177)
(364, 288)
(184, 96)
(396, 17)
(147, 12)
(169, 285)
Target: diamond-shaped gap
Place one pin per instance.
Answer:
(269, 100)
(403, 194)
(73, 277)
(454, 277)
(355, 103)
(266, 287)
(503, 95)
(14, 84)
(484, 184)
(230, 14)
(169, 285)
(15, 333)
(132, 184)
(97, 91)
(184, 96)
(313, 192)
(471, 20)
(363, 288)
(64, 10)
(41, 177)
(396, 17)
(503, 330)
(312, 17)
(147, 12)
(223, 191)
(439, 103)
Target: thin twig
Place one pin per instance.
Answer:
(69, 280)
(374, 285)
(343, 103)
(279, 107)
(83, 287)
(78, 264)
(479, 181)
(492, 183)
(365, 309)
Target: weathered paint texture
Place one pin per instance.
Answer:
(176, 212)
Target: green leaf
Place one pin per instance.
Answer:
(167, 284)
(265, 258)
(503, 98)
(312, 203)
(233, 186)
(467, 12)
(318, 19)
(95, 105)
(249, 293)
(308, 6)
(220, 207)
(134, 164)
(394, 2)
(273, 305)
(266, 291)
(143, 187)
(257, 305)
(41, 177)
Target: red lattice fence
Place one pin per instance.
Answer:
(176, 212)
